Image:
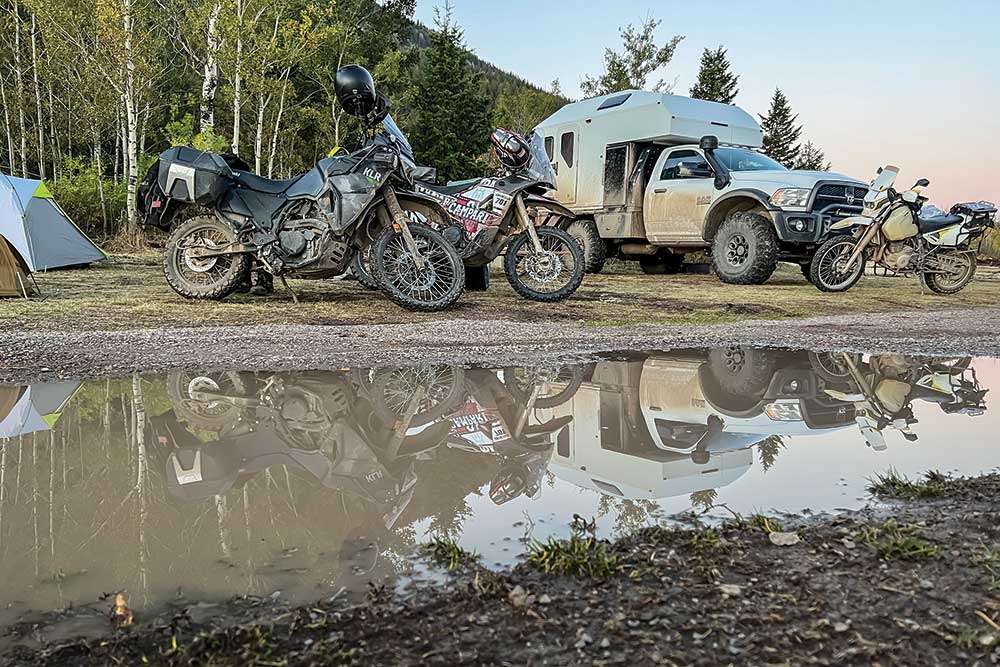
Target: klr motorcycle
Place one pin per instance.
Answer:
(307, 227)
(510, 214)
(892, 233)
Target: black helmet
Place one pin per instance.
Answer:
(355, 90)
(511, 149)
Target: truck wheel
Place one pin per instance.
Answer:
(745, 250)
(659, 265)
(735, 379)
(594, 251)
(477, 278)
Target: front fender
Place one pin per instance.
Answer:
(426, 201)
(853, 221)
(536, 201)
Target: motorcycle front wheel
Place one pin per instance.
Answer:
(361, 266)
(827, 271)
(436, 286)
(958, 270)
(552, 275)
(196, 277)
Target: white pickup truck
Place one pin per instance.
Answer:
(653, 176)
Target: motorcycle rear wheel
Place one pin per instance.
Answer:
(953, 282)
(825, 271)
(552, 276)
(211, 278)
(435, 287)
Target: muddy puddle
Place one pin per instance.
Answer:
(191, 488)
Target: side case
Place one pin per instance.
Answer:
(192, 176)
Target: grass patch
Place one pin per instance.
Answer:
(892, 484)
(988, 558)
(893, 541)
(445, 551)
(765, 523)
(579, 556)
(708, 539)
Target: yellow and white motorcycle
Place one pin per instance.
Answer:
(893, 235)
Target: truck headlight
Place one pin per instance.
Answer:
(791, 197)
(784, 412)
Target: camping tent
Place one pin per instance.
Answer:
(13, 280)
(37, 407)
(38, 230)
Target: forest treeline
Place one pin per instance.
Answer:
(93, 90)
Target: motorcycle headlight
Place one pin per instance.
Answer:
(784, 412)
(791, 197)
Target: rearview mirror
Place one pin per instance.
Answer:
(693, 170)
(922, 183)
(708, 143)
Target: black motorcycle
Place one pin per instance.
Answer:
(310, 226)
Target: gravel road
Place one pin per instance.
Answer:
(34, 355)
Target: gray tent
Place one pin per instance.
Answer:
(37, 407)
(38, 230)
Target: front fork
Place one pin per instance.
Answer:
(401, 224)
(862, 244)
(527, 226)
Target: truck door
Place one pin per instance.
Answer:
(562, 150)
(677, 197)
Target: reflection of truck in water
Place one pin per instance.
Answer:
(669, 424)
(652, 176)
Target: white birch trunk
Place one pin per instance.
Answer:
(19, 88)
(238, 77)
(258, 149)
(277, 125)
(131, 118)
(38, 98)
(210, 75)
(6, 124)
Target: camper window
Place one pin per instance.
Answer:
(669, 172)
(566, 148)
(550, 147)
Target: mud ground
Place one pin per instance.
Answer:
(906, 582)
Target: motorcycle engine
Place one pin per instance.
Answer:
(899, 254)
(305, 241)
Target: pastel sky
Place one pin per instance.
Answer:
(915, 84)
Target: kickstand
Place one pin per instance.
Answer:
(295, 297)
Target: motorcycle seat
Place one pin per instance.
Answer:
(451, 189)
(936, 222)
(261, 184)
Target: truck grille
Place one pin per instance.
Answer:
(836, 195)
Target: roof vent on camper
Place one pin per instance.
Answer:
(615, 101)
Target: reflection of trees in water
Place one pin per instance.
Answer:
(768, 449)
(704, 500)
(630, 514)
(92, 513)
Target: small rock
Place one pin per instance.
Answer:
(840, 626)
(584, 640)
(275, 595)
(730, 590)
(926, 584)
(987, 639)
(784, 539)
(848, 543)
(545, 599)
(605, 643)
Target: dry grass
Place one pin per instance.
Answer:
(129, 291)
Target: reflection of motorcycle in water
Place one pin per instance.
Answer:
(503, 419)
(312, 423)
(883, 390)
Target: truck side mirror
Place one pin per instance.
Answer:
(709, 142)
(693, 170)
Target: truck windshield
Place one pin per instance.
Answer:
(736, 159)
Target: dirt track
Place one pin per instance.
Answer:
(39, 354)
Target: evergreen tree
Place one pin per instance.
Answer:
(781, 134)
(715, 82)
(452, 128)
(640, 57)
(811, 158)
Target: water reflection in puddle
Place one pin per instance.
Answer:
(201, 486)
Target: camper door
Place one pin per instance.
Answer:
(563, 148)
(678, 196)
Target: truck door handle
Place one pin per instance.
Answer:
(660, 191)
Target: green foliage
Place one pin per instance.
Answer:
(715, 82)
(579, 556)
(451, 112)
(768, 450)
(78, 191)
(781, 134)
(522, 108)
(630, 68)
(892, 484)
(893, 541)
(811, 158)
(445, 551)
(210, 141)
